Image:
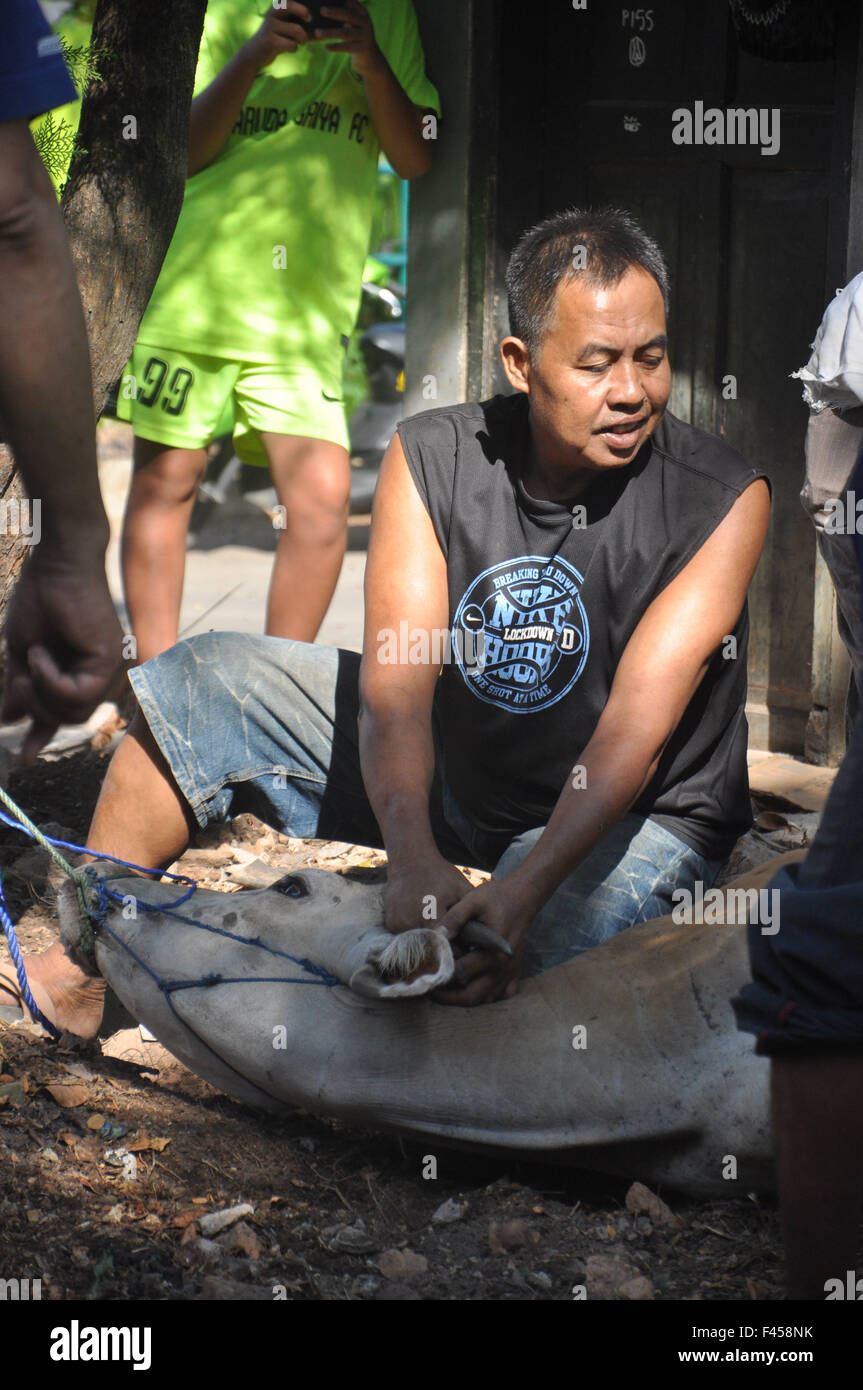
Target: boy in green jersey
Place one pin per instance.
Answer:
(260, 287)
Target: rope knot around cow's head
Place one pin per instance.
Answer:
(93, 897)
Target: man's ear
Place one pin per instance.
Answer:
(516, 363)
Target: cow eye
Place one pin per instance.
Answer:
(292, 886)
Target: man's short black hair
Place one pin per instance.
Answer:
(599, 243)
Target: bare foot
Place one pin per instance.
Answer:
(71, 999)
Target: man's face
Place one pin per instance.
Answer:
(600, 380)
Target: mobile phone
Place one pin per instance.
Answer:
(319, 21)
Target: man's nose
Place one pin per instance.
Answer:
(626, 386)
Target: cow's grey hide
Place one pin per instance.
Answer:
(626, 1059)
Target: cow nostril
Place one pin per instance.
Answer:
(292, 886)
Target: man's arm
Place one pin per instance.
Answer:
(397, 121)
(63, 635)
(405, 583)
(215, 110)
(664, 663)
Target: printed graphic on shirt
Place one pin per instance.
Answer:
(526, 617)
(318, 115)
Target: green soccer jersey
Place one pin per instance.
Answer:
(266, 260)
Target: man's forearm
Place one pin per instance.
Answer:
(215, 110)
(397, 123)
(46, 400)
(397, 762)
(614, 769)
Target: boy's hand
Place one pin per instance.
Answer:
(278, 33)
(356, 38)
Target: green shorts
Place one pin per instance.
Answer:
(188, 399)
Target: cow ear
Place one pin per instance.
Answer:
(409, 964)
(367, 982)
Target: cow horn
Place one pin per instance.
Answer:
(476, 933)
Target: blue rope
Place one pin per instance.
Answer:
(168, 986)
(165, 987)
(101, 908)
(97, 909)
(124, 863)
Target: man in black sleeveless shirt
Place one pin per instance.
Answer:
(554, 668)
(602, 550)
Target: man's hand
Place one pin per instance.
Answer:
(419, 894)
(481, 977)
(278, 33)
(63, 646)
(357, 37)
(64, 639)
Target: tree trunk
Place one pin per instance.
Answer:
(124, 190)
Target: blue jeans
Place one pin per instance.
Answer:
(262, 724)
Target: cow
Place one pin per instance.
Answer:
(625, 1060)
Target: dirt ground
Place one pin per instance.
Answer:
(336, 1212)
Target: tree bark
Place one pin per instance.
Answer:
(124, 191)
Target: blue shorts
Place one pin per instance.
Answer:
(269, 726)
(33, 74)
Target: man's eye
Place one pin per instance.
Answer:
(602, 368)
(652, 361)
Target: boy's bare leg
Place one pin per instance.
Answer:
(140, 816)
(164, 486)
(312, 478)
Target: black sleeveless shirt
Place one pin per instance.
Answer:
(542, 602)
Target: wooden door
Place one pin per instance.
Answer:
(755, 242)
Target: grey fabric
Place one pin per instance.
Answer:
(833, 445)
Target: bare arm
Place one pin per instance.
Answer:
(405, 583)
(662, 667)
(664, 663)
(61, 629)
(397, 121)
(215, 110)
(398, 124)
(45, 386)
